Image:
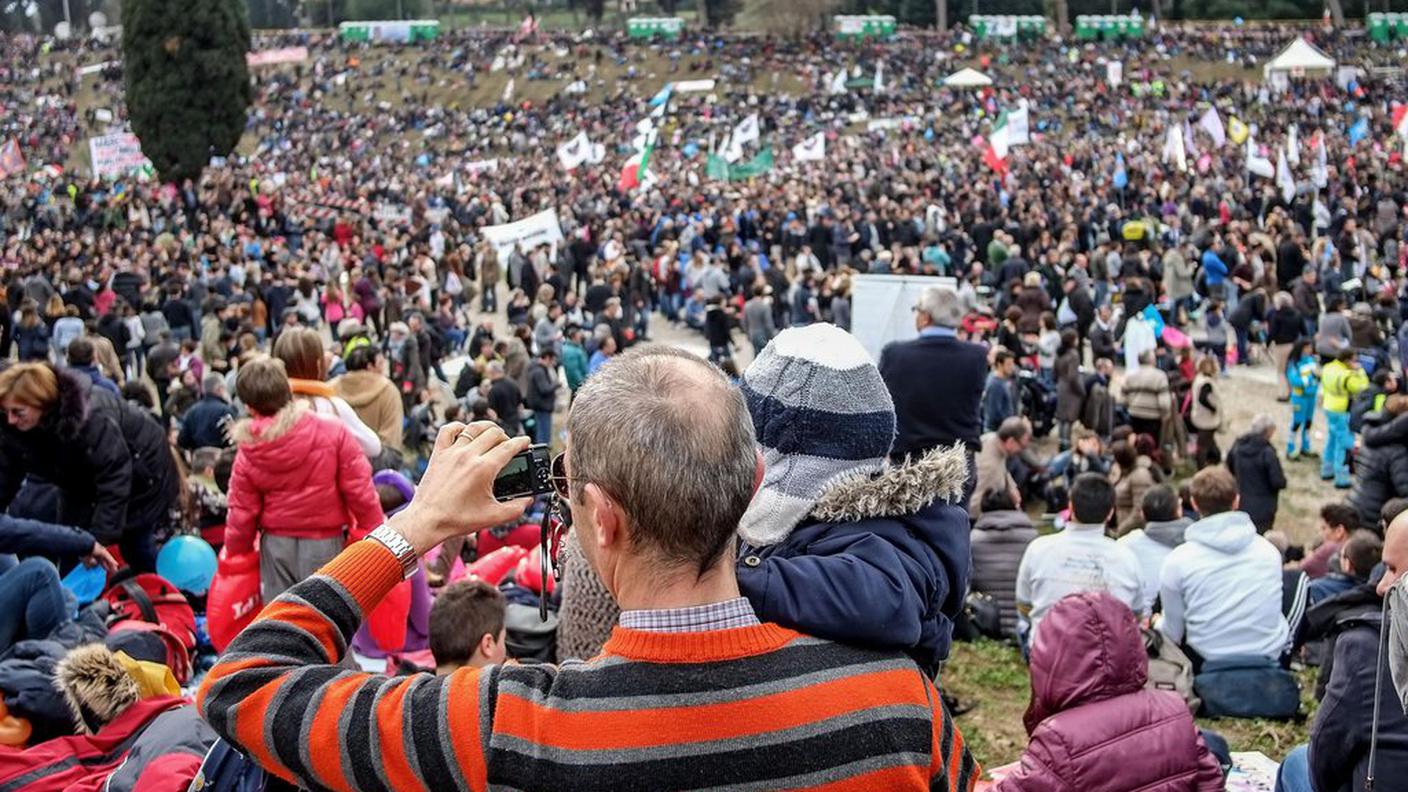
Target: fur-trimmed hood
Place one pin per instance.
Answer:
(66, 418)
(250, 431)
(95, 686)
(897, 490)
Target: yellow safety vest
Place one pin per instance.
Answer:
(1340, 383)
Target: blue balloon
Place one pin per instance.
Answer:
(690, 149)
(86, 583)
(188, 563)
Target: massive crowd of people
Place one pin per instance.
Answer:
(315, 359)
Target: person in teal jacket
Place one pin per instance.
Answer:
(1302, 371)
(574, 359)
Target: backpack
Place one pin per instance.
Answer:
(148, 599)
(527, 637)
(227, 770)
(1247, 687)
(984, 614)
(1169, 668)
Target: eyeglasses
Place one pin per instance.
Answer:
(556, 523)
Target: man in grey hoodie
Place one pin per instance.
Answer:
(1164, 524)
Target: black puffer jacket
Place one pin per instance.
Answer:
(998, 541)
(1381, 466)
(1259, 478)
(109, 459)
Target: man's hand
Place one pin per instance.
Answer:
(456, 495)
(101, 557)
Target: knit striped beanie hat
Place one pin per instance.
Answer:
(822, 414)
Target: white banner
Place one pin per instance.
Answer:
(482, 166)
(539, 229)
(882, 304)
(1019, 127)
(575, 151)
(116, 154)
(1114, 73)
(811, 149)
(1211, 123)
(747, 130)
(695, 86)
(395, 214)
(276, 56)
(84, 71)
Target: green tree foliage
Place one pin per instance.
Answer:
(721, 12)
(265, 14)
(187, 85)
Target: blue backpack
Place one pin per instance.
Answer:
(1247, 687)
(227, 770)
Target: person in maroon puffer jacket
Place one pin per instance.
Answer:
(300, 481)
(1093, 725)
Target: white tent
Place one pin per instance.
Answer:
(967, 78)
(1299, 58)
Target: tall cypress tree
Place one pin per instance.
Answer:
(187, 83)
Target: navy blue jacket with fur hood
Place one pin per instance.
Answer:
(880, 562)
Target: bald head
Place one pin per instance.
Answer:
(1395, 552)
(666, 436)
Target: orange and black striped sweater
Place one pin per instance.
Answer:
(751, 708)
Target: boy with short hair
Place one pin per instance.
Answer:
(1337, 522)
(467, 627)
(1081, 558)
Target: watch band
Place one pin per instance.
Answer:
(392, 540)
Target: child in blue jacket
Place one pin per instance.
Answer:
(1303, 373)
(836, 543)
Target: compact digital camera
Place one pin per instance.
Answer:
(527, 474)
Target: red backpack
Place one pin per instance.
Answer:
(150, 599)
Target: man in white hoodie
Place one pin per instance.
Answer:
(1221, 588)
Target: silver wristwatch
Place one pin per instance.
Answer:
(392, 540)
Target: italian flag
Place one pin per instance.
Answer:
(998, 143)
(633, 173)
(636, 171)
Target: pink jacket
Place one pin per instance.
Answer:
(298, 474)
(1093, 726)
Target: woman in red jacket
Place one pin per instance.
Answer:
(299, 479)
(1093, 725)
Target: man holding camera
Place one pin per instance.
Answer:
(691, 691)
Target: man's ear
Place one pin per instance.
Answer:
(758, 469)
(606, 515)
(487, 642)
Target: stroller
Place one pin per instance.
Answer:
(1036, 401)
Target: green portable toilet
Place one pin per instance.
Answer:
(1398, 27)
(1136, 26)
(979, 24)
(424, 30)
(1379, 28)
(1085, 31)
(1121, 26)
(355, 31)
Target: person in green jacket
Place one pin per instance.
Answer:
(574, 359)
